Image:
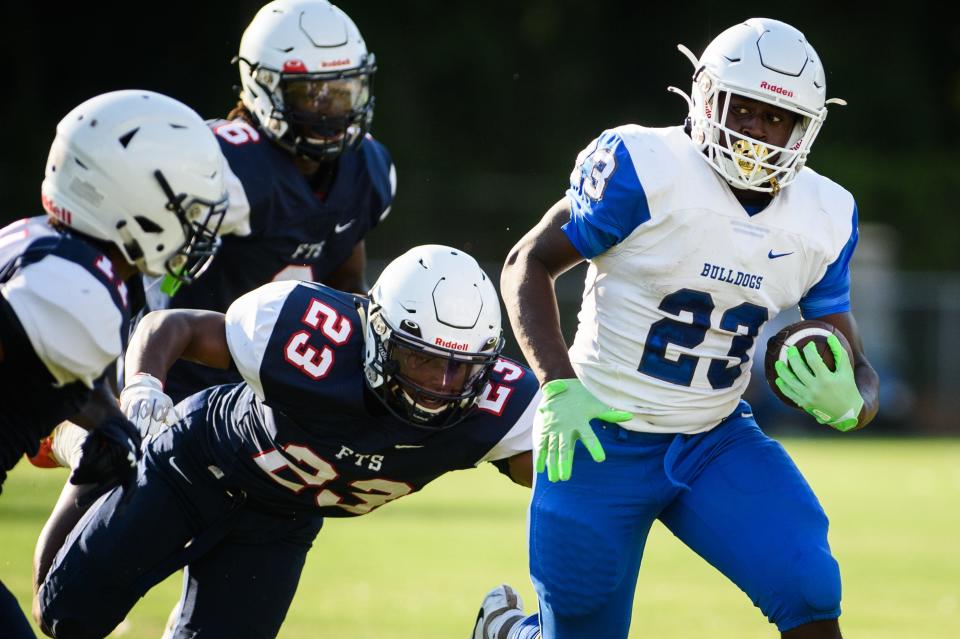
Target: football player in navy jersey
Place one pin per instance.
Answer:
(134, 183)
(307, 182)
(347, 403)
(697, 235)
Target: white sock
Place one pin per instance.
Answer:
(501, 626)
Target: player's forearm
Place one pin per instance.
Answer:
(100, 406)
(521, 469)
(531, 302)
(868, 383)
(163, 337)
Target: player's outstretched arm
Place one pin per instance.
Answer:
(567, 407)
(531, 267)
(163, 337)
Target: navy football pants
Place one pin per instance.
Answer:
(732, 495)
(13, 625)
(242, 565)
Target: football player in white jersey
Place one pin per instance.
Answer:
(696, 235)
(133, 184)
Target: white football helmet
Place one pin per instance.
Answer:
(432, 308)
(306, 76)
(143, 171)
(765, 60)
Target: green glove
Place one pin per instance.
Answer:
(562, 418)
(832, 397)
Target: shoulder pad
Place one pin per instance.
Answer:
(836, 206)
(73, 321)
(249, 324)
(654, 152)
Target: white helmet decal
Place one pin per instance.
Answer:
(763, 60)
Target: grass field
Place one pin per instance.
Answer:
(419, 568)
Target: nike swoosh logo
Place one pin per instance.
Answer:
(340, 228)
(408, 445)
(774, 256)
(173, 463)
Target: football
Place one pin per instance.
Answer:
(799, 335)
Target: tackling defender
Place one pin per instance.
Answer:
(134, 183)
(696, 237)
(348, 403)
(306, 184)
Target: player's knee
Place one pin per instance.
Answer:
(37, 617)
(814, 590)
(575, 574)
(820, 584)
(63, 617)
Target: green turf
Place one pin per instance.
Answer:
(419, 568)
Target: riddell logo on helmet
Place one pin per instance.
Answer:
(58, 212)
(335, 63)
(774, 88)
(457, 346)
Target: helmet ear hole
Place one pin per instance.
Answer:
(411, 327)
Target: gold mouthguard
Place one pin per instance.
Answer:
(748, 155)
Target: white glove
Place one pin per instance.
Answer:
(147, 406)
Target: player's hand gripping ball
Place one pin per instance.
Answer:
(810, 377)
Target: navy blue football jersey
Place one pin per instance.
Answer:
(304, 433)
(64, 320)
(278, 228)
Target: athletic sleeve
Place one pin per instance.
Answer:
(250, 321)
(607, 201)
(831, 294)
(71, 319)
(519, 439)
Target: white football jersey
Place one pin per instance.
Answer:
(682, 277)
(68, 299)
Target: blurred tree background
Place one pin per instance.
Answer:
(485, 105)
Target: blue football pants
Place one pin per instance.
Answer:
(242, 565)
(731, 494)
